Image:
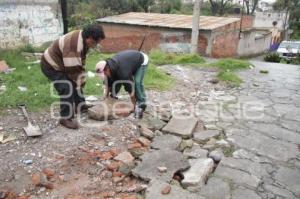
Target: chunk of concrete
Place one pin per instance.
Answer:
(109, 109)
(166, 142)
(183, 127)
(195, 152)
(204, 136)
(153, 191)
(195, 177)
(173, 160)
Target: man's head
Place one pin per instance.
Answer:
(103, 69)
(93, 35)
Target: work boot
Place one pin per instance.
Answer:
(69, 123)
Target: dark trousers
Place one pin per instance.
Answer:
(70, 97)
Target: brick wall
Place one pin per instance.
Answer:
(120, 37)
(225, 44)
(29, 21)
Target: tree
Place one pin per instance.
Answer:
(291, 6)
(251, 5)
(220, 7)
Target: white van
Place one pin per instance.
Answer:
(289, 49)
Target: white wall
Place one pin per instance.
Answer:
(254, 42)
(29, 21)
(265, 19)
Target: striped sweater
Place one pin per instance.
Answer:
(67, 54)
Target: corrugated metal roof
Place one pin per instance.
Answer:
(168, 20)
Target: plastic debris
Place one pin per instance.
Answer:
(2, 89)
(4, 139)
(22, 88)
(27, 162)
(91, 98)
(90, 74)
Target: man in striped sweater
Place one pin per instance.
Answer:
(63, 63)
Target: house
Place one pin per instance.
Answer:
(218, 36)
(29, 22)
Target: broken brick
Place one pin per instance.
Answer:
(36, 179)
(130, 197)
(114, 152)
(106, 156)
(144, 141)
(48, 185)
(49, 172)
(134, 145)
(110, 194)
(114, 166)
(117, 174)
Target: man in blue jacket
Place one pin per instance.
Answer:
(126, 68)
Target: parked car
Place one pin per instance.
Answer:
(289, 49)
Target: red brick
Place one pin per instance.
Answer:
(49, 172)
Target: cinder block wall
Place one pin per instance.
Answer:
(120, 37)
(29, 22)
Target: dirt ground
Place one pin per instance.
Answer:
(80, 163)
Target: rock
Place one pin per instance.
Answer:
(279, 191)
(126, 169)
(109, 109)
(125, 157)
(223, 143)
(166, 142)
(216, 155)
(213, 81)
(158, 133)
(48, 185)
(147, 169)
(241, 154)
(166, 190)
(195, 152)
(177, 192)
(183, 127)
(146, 132)
(137, 152)
(162, 169)
(237, 176)
(209, 191)
(204, 136)
(185, 144)
(144, 141)
(195, 177)
(245, 194)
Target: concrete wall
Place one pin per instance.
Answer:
(265, 19)
(120, 37)
(254, 42)
(29, 21)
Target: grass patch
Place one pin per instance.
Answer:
(38, 95)
(158, 57)
(227, 70)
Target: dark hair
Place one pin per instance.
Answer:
(95, 31)
(274, 23)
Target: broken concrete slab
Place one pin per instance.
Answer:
(204, 136)
(109, 109)
(195, 177)
(237, 176)
(153, 191)
(173, 160)
(195, 152)
(166, 142)
(152, 123)
(183, 127)
(209, 190)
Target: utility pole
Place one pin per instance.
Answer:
(63, 4)
(195, 27)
